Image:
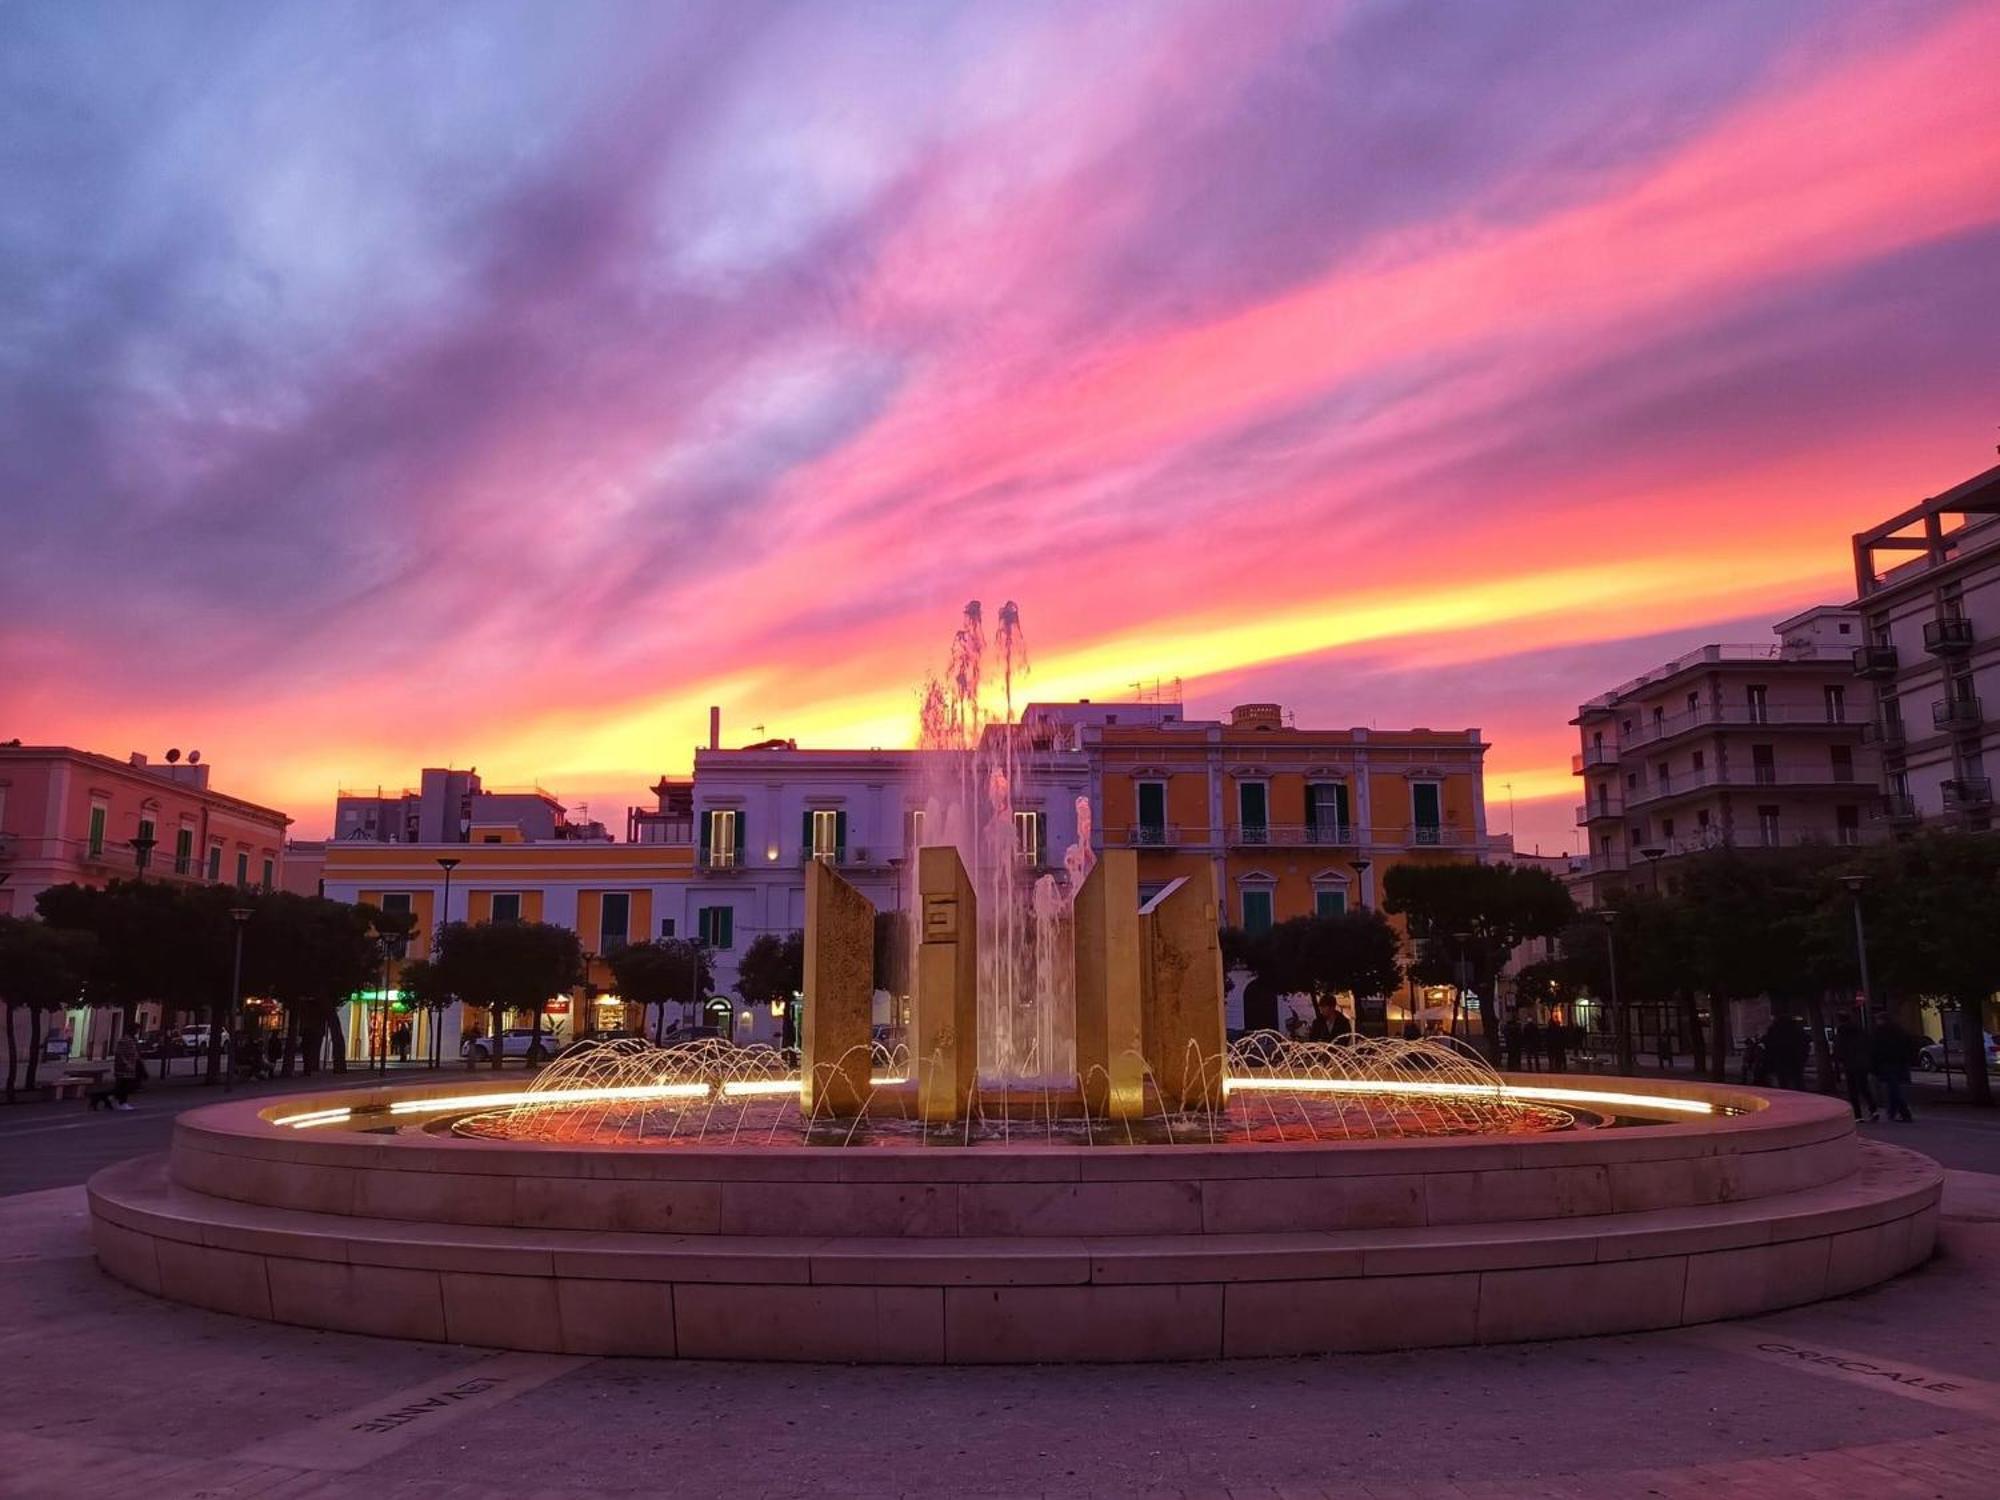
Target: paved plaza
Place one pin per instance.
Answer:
(1895, 1392)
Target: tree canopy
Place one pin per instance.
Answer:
(508, 966)
(1354, 952)
(663, 972)
(773, 968)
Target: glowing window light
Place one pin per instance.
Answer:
(1468, 1091)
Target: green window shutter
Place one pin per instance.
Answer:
(1152, 804)
(704, 923)
(738, 821)
(806, 850)
(1041, 838)
(726, 921)
(707, 829)
(840, 838)
(97, 830)
(1340, 803)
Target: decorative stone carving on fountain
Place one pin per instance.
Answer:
(1180, 986)
(1110, 1028)
(834, 1032)
(944, 1043)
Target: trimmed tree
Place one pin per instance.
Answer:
(42, 969)
(509, 966)
(663, 972)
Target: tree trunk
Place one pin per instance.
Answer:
(499, 1052)
(216, 1010)
(34, 1042)
(13, 1061)
(1719, 1060)
(1696, 1042)
(535, 1043)
(337, 1035)
(1489, 1027)
(290, 1045)
(1972, 1034)
(1822, 1055)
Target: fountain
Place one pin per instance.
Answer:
(1062, 1160)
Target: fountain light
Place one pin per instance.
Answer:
(1499, 1092)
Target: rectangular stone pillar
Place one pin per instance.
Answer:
(944, 1023)
(834, 1034)
(1110, 1029)
(1181, 993)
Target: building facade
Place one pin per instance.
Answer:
(71, 816)
(455, 807)
(1736, 746)
(1927, 586)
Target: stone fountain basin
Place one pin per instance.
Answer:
(1015, 1253)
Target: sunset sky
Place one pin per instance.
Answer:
(385, 385)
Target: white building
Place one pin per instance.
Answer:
(1928, 585)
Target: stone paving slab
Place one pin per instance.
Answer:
(105, 1390)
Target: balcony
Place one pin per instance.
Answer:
(1153, 836)
(1328, 835)
(1875, 661)
(1956, 713)
(1898, 807)
(1594, 755)
(1431, 836)
(1968, 794)
(1888, 733)
(1602, 807)
(1949, 636)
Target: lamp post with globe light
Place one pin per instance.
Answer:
(1620, 1022)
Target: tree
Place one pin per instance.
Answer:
(423, 986)
(666, 971)
(509, 966)
(1477, 914)
(155, 942)
(42, 969)
(1355, 952)
(1933, 917)
(309, 955)
(772, 969)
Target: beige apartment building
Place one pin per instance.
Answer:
(1742, 746)
(1927, 585)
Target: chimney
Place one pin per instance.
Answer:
(138, 759)
(715, 726)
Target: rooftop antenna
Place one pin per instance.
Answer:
(1510, 809)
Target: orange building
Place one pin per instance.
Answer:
(1286, 821)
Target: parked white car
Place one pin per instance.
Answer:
(1930, 1056)
(195, 1039)
(515, 1041)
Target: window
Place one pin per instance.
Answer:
(1843, 762)
(1694, 702)
(506, 906)
(1031, 838)
(184, 852)
(1757, 698)
(98, 813)
(1426, 811)
(1767, 827)
(270, 874)
(1659, 719)
(1256, 911)
(1667, 829)
(1148, 889)
(489, 838)
(145, 839)
(1663, 776)
(1836, 703)
(715, 926)
(242, 867)
(666, 927)
(1329, 901)
(1847, 825)
(1700, 760)
(824, 835)
(1253, 807)
(1326, 810)
(1764, 765)
(614, 923)
(722, 838)
(1152, 812)
(215, 859)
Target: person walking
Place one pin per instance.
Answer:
(1531, 1044)
(1890, 1052)
(1510, 1039)
(1856, 1057)
(1666, 1050)
(1785, 1051)
(127, 1071)
(1555, 1037)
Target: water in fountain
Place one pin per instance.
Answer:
(976, 762)
(632, 1093)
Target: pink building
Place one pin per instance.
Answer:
(69, 816)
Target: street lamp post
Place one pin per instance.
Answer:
(1621, 1023)
(142, 853)
(1360, 867)
(447, 864)
(1854, 884)
(240, 915)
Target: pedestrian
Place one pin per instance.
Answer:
(1555, 1037)
(1510, 1036)
(401, 1042)
(1412, 1032)
(1341, 1026)
(1531, 1044)
(128, 1071)
(1890, 1052)
(1753, 1061)
(1852, 1049)
(1785, 1051)
(1666, 1050)
(1321, 1029)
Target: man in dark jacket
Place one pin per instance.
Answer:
(1856, 1057)
(1785, 1051)
(1890, 1052)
